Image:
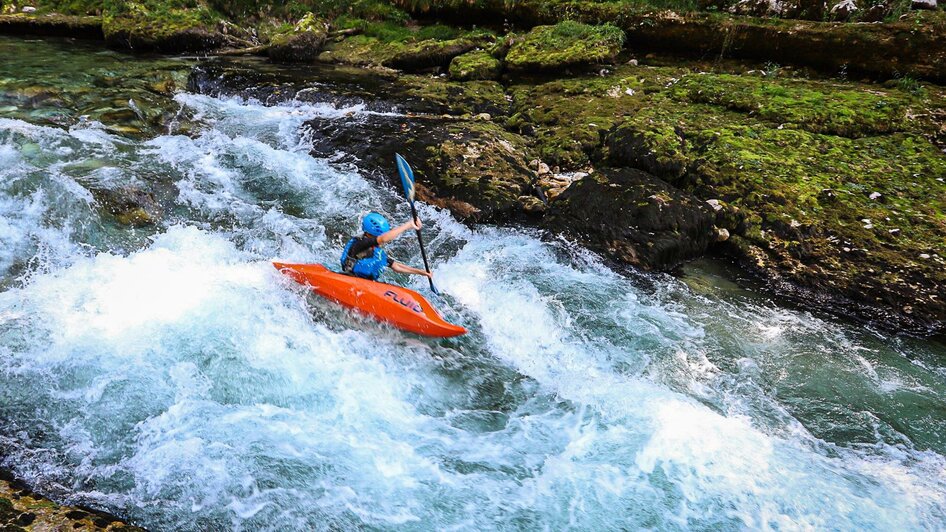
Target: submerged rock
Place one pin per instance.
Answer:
(129, 205)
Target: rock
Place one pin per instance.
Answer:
(21, 510)
(552, 185)
(476, 169)
(923, 4)
(722, 234)
(129, 205)
(565, 45)
(843, 10)
(431, 53)
(28, 9)
(475, 65)
(533, 205)
(164, 87)
(634, 217)
(300, 45)
(876, 13)
(656, 149)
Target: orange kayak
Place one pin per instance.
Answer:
(403, 308)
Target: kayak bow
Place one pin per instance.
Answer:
(403, 308)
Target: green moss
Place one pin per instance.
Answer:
(817, 106)
(570, 118)
(564, 45)
(467, 98)
(475, 65)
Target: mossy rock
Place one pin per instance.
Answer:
(436, 95)
(475, 168)
(300, 44)
(475, 65)
(818, 106)
(171, 31)
(565, 45)
(430, 53)
(480, 164)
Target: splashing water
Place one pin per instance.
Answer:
(171, 375)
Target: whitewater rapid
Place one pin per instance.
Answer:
(169, 374)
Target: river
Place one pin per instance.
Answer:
(168, 374)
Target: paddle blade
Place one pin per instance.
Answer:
(407, 177)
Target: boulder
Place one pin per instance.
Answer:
(655, 148)
(843, 10)
(300, 45)
(474, 168)
(430, 53)
(923, 4)
(129, 205)
(634, 217)
(475, 65)
(565, 45)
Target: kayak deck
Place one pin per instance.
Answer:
(401, 307)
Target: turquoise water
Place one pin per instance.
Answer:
(170, 375)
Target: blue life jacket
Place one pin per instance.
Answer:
(369, 267)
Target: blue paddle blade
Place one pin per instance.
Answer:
(407, 177)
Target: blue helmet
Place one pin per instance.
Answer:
(375, 225)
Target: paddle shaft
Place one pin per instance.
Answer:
(423, 252)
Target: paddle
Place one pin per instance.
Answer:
(407, 181)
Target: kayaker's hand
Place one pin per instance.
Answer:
(429, 275)
(417, 224)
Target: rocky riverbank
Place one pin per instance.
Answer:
(22, 510)
(656, 165)
(830, 189)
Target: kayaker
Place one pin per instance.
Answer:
(365, 257)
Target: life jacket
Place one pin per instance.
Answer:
(369, 264)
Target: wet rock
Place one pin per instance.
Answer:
(476, 169)
(300, 45)
(923, 4)
(634, 217)
(164, 87)
(129, 205)
(475, 65)
(565, 45)
(21, 510)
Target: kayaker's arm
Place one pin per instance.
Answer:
(384, 238)
(400, 267)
